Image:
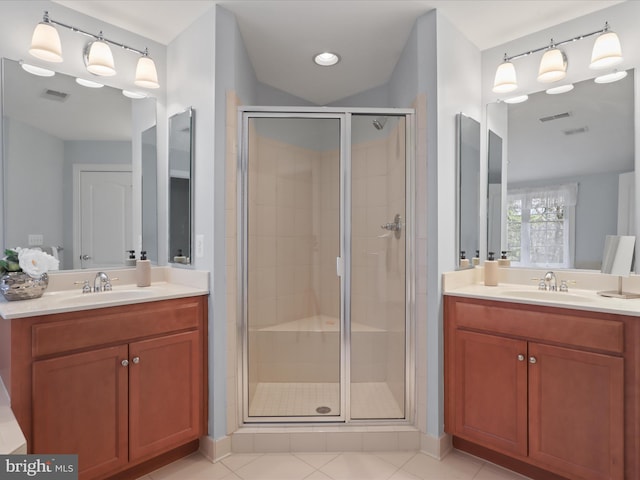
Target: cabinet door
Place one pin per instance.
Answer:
(80, 407)
(576, 412)
(491, 391)
(165, 382)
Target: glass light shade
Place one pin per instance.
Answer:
(35, 70)
(606, 51)
(146, 74)
(100, 60)
(611, 77)
(134, 95)
(561, 89)
(505, 79)
(518, 99)
(88, 83)
(553, 66)
(45, 43)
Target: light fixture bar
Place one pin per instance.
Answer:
(47, 19)
(558, 44)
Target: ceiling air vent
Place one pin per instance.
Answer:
(574, 131)
(555, 117)
(54, 95)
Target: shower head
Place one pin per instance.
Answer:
(379, 122)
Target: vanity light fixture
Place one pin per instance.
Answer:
(88, 83)
(45, 45)
(553, 66)
(611, 77)
(134, 95)
(561, 89)
(517, 99)
(326, 59)
(35, 70)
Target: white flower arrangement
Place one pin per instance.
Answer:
(32, 261)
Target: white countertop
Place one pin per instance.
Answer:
(470, 284)
(63, 296)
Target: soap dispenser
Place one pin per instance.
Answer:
(476, 260)
(143, 270)
(490, 271)
(503, 261)
(180, 257)
(131, 261)
(464, 261)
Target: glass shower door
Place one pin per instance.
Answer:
(293, 300)
(378, 267)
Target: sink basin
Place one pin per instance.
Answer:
(548, 296)
(101, 297)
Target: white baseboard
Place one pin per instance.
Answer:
(215, 450)
(436, 447)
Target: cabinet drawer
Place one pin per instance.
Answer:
(91, 328)
(542, 324)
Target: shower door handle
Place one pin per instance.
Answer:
(395, 226)
(339, 266)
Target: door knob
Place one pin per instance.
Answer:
(136, 360)
(125, 363)
(533, 360)
(521, 358)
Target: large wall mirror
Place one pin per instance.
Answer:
(468, 185)
(570, 173)
(181, 162)
(68, 160)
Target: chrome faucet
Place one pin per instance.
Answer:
(101, 283)
(550, 281)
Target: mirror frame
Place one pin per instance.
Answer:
(187, 257)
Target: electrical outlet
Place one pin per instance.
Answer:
(35, 240)
(199, 246)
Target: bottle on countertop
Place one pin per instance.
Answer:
(476, 260)
(503, 261)
(464, 261)
(490, 271)
(143, 270)
(131, 261)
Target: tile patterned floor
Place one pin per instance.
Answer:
(333, 466)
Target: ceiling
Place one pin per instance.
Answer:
(281, 36)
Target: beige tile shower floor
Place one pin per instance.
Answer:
(368, 400)
(333, 466)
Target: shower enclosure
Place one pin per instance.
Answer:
(325, 265)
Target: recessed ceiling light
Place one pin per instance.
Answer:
(561, 89)
(326, 59)
(34, 70)
(132, 94)
(518, 99)
(88, 83)
(611, 77)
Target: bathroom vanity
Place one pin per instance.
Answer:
(124, 387)
(550, 391)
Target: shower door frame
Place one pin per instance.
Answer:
(245, 113)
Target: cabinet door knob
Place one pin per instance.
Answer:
(125, 362)
(135, 360)
(533, 360)
(521, 358)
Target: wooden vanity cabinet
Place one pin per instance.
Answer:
(549, 392)
(123, 387)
